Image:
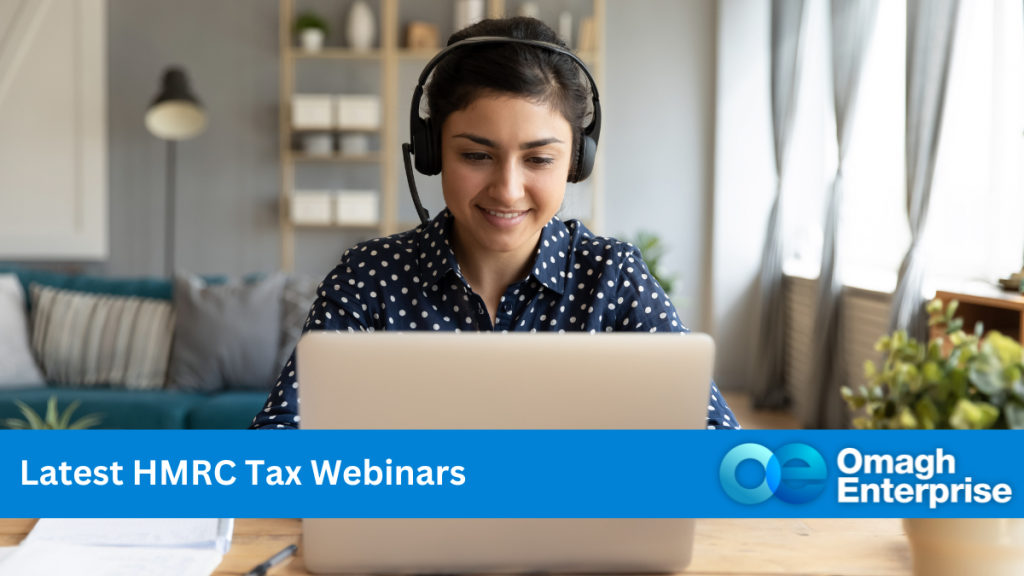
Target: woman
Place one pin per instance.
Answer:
(497, 257)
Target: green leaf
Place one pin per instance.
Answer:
(931, 372)
(986, 372)
(869, 369)
(1017, 388)
(1014, 415)
(862, 423)
(1007, 349)
(927, 413)
(853, 400)
(33, 419)
(15, 424)
(884, 344)
(969, 415)
(907, 419)
(86, 422)
(52, 416)
(310, 20)
(65, 418)
(954, 325)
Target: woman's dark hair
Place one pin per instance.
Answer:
(540, 75)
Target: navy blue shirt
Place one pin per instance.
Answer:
(411, 281)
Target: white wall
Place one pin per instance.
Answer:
(53, 133)
(744, 185)
(658, 136)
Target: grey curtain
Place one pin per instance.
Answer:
(787, 38)
(931, 26)
(853, 24)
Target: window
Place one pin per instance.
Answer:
(976, 225)
(874, 234)
(975, 228)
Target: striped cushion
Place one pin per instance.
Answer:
(88, 339)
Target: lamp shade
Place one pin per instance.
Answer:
(175, 113)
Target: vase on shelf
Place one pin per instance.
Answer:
(361, 29)
(312, 39)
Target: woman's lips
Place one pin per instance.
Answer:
(503, 218)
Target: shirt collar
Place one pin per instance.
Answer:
(552, 256)
(437, 257)
(435, 253)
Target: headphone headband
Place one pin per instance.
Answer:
(428, 159)
(484, 40)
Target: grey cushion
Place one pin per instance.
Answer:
(299, 294)
(227, 336)
(86, 339)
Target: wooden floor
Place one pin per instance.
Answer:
(751, 419)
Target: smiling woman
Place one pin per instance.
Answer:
(508, 128)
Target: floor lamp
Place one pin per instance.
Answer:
(175, 114)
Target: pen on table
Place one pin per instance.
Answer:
(274, 561)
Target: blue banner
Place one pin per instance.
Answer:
(511, 474)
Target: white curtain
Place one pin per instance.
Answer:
(787, 47)
(852, 27)
(931, 27)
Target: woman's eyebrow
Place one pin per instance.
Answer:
(478, 139)
(539, 143)
(524, 146)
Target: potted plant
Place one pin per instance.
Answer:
(955, 381)
(651, 249)
(54, 419)
(311, 29)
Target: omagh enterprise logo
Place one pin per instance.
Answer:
(795, 473)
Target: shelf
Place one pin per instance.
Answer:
(300, 156)
(417, 53)
(340, 226)
(304, 130)
(330, 53)
(587, 57)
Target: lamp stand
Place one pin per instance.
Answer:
(169, 210)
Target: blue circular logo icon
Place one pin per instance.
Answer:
(784, 476)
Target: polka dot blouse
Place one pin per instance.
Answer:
(411, 281)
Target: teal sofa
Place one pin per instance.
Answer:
(127, 409)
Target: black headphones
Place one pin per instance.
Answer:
(424, 140)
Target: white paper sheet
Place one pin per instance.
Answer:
(6, 551)
(49, 559)
(170, 532)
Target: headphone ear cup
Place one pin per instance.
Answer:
(435, 149)
(420, 148)
(584, 159)
(423, 147)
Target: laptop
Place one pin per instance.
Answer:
(484, 380)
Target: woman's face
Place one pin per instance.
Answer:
(504, 166)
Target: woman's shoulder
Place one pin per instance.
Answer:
(395, 247)
(619, 268)
(601, 251)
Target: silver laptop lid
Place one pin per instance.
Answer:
(423, 380)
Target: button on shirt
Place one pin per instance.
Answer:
(411, 281)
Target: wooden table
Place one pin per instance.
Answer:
(996, 309)
(760, 547)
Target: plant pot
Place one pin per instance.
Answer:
(312, 39)
(361, 29)
(957, 546)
